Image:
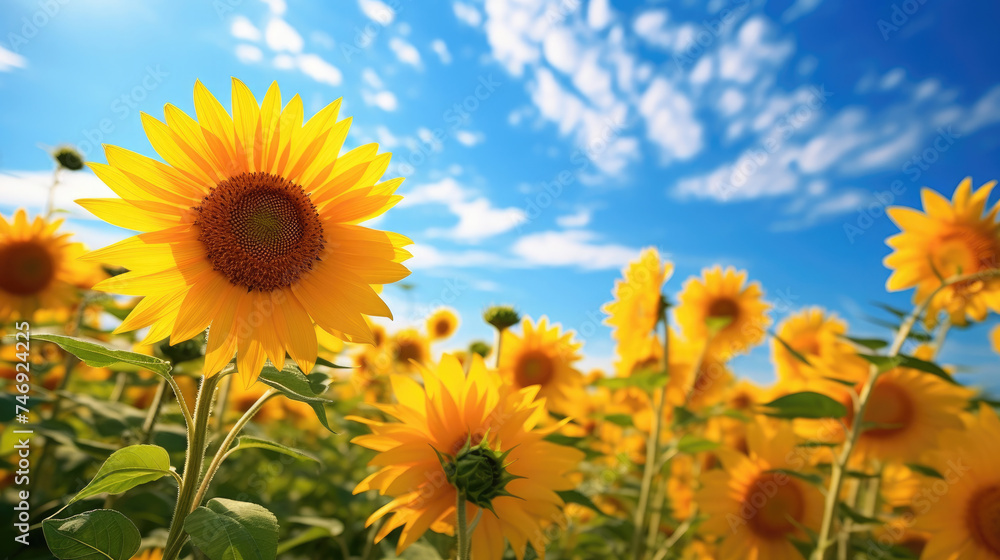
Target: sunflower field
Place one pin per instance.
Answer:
(214, 386)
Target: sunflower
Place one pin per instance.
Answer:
(819, 338)
(964, 520)
(251, 228)
(544, 356)
(755, 508)
(723, 296)
(407, 347)
(636, 308)
(445, 415)
(442, 323)
(948, 239)
(40, 267)
(906, 409)
(149, 554)
(995, 338)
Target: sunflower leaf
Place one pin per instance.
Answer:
(883, 363)
(96, 354)
(873, 344)
(578, 498)
(925, 470)
(127, 468)
(852, 514)
(102, 534)
(321, 361)
(227, 529)
(248, 442)
(645, 380)
(693, 444)
(623, 420)
(814, 479)
(806, 404)
(926, 367)
(297, 386)
(795, 353)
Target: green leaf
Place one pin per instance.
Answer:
(127, 468)
(693, 444)
(645, 380)
(883, 363)
(295, 385)
(321, 361)
(795, 353)
(925, 470)
(576, 497)
(844, 382)
(623, 420)
(873, 344)
(817, 444)
(101, 534)
(333, 527)
(247, 442)
(96, 354)
(814, 479)
(926, 367)
(806, 404)
(855, 516)
(899, 313)
(683, 416)
(232, 530)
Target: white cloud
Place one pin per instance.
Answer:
(468, 138)
(277, 7)
(815, 211)
(892, 78)
(248, 53)
(242, 28)
(385, 100)
(577, 248)
(467, 14)
(371, 78)
(579, 219)
(282, 37)
(405, 52)
(599, 14)
(30, 189)
(386, 137)
(10, 60)
(731, 102)
(284, 62)
(377, 11)
(441, 49)
(799, 9)
(318, 69)
(561, 50)
(670, 121)
(651, 26)
(477, 217)
(753, 52)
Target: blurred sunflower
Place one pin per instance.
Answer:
(818, 337)
(251, 229)
(446, 414)
(636, 307)
(442, 323)
(40, 267)
(407, 346)
(948, 239)
(755, 509)
(723, 296)
(543, 356)
(965, 522)
(149, 554)
(995, 338)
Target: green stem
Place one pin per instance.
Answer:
(197, 437)
(154, 412)
(224, 451)
(499, 345)
(840, 464)
(462, 530)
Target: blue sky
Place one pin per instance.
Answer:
(545, 143)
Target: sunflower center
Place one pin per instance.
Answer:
(533, 368)
(28, 268)
(965, 251)
(983, 518)
(260, 231)
(407, 350)
(774, 503)
(442, 327)
(724, 308)
(889, 407)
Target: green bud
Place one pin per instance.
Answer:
(478, 472)
(68, 158)
(501, 317)
(185, 351)
(480, 347)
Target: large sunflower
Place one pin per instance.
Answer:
(40, 267)
(251, 229)
(948, 239)
(817, 337)
(755, 508)
(544, 356)
(636, 307)
(964, 520)
(723, 296)
(448, 412)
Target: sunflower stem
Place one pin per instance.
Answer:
(652, 447)
(223, 451)
(462, 530)
(154, 412)
(197, 440)
(840, 464)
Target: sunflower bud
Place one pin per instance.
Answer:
(68, 158)
(501, 316)
(480, 347)
(478, 472)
